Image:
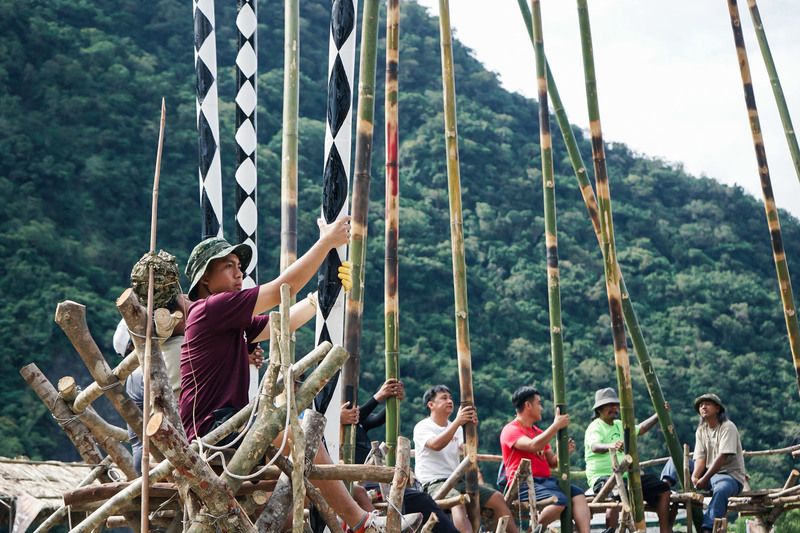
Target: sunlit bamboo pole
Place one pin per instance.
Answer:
(291, 98)
(631, 319)
(459, 259)
(149, 331)
(773, 221)
(391, 301)
(553, 278)
(611, 269)
(777, 90)
(362, 174)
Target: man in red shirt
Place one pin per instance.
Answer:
(520, 439)
(224, 320)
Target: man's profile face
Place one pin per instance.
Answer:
(223, 275)
(536, 407)
(442, 402)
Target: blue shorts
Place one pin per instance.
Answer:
(546, 487)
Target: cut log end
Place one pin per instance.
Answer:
(124, 296)
(66, 386)
(154, 424)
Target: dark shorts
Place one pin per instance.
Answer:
(460, 488)
(652, 487)
(546, 487)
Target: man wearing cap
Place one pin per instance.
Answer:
(521, 439)
(718, 458)
(603, 435)
(224, 319)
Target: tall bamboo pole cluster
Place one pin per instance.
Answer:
(459, 258)
(777, 89)
(773, 221)
(391, 300)
(553, 278)
(629, 313)
(362, 175)
(611, 268)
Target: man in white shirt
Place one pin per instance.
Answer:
(437, 443)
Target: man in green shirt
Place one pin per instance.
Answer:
(604, 435)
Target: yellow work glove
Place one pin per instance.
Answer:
(346, 275)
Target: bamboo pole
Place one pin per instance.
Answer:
(629, 313)
(399, 483)
(553, 278)
(459, 259)
(362, 173)
(290, 136)
(611, 269)
(148, 343)
(773, 220)
(777, 90)
(391, 299)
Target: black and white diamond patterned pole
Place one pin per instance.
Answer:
(246, 99)
(246, 143)
(205, 60)
(335, 185)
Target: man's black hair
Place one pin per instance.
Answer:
(521, 395)
(430, 394)
(721, 417)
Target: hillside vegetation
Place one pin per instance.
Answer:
(80, 88)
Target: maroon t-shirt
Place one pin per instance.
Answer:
(214, 356)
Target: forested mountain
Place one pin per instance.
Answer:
(80, 88)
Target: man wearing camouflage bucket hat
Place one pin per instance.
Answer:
(224, 319)
(718, 463)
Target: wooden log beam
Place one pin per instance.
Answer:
(78, 433)
(720, 525)
(313, 493)
(502, 522)
(513, 489)
(266, 428)
(161, 398)
(124, 369)
(224, 510)
(279, 505)
(448, 503)
(107, 436)
(71, 317)
(430, 524)
(454, 478)
(401, 478)
(611, 483)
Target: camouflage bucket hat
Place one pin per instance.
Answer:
(208, 250)
(710, 397)
(165, 278)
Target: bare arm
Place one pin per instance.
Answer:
(705, 481)
(465, 414)
(648, 424)
(332, 235)
(299, 314)
(599, 447)
(539, 442)
(699, 466)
